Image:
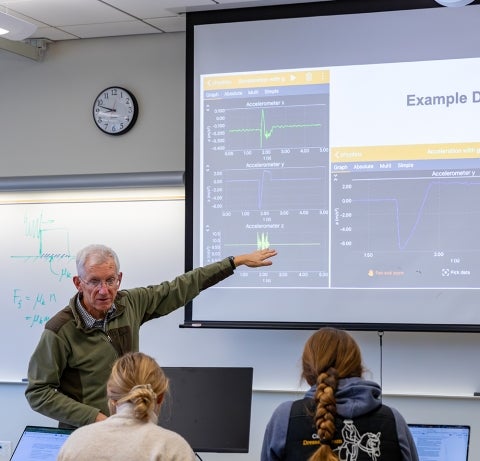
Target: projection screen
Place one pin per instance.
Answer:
(348, 140)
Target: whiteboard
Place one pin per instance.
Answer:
(37, 257)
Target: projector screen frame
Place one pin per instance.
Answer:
(191, 320)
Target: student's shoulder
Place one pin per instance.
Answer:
(284, 408)
(169, 439)
(281, 414)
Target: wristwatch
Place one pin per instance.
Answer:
(232, 262)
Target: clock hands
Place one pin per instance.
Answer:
(107, 111)
(108, 108)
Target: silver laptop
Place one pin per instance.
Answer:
(38, 442)
(441, 442)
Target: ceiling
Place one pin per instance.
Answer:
(77, 19)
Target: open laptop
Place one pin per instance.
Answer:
(38, 442)
(441, 442)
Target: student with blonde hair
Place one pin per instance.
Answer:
(135, 389)
(341, 417)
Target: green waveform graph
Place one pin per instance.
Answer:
(294, 255)
(262, 241)
(265, 133)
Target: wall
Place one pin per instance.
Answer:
(47, 128)
(46, 110)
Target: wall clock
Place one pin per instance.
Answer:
(115, 110)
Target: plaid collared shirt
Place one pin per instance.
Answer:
(91, 322)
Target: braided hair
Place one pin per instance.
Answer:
(328, 356)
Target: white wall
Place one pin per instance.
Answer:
(47, 128)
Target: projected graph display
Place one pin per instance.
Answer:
(266, 175)
(278, 127)
(358, 160)
(291, 188)
(341, 217)
(412, 225)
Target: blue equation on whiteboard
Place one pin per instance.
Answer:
(36, 319)
(37, 301)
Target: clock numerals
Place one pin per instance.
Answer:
(115, 110)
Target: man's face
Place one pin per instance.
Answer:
(99, 286)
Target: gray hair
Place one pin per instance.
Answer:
(99, 254)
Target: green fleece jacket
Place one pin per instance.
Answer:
(69, 369)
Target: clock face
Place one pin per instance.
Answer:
(115, 110)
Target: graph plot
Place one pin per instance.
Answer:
(422, 229)
(279, 127)
(265, 181)
(289, 122)
(293, 188)
(302, 247)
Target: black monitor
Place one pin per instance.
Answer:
(210, 407)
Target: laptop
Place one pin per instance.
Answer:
(441, 442)
(38, 442)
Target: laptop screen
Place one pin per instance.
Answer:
(441, 442)
(37, 442)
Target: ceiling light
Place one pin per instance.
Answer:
(14, 28)
(454, 2)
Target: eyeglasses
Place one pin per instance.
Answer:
(95, 283)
